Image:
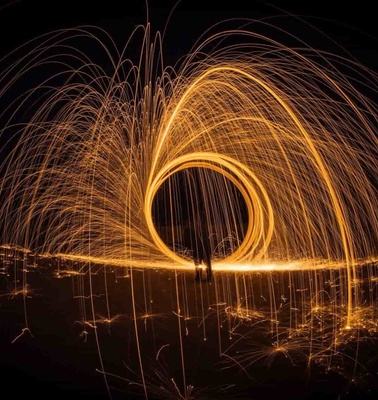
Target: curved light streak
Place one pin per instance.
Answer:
(243, 179)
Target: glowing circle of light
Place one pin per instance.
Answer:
(259, 208)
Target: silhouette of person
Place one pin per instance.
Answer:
(200, 244)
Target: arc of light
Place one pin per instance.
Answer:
(345, 235)
(245, 181)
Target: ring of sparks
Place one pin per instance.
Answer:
(260, 213)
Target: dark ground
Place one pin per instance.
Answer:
(60, 360)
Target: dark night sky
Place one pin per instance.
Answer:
(21, 20)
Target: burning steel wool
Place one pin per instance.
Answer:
(124, 165)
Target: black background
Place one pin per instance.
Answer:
(352, 24)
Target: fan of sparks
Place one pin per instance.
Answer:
(98, 144)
